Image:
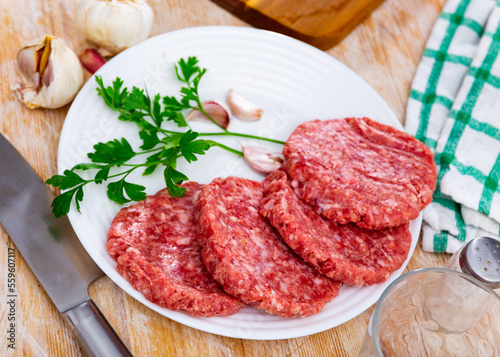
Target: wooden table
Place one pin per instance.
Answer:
(384, 50)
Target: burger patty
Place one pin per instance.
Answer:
(155, 248)
(249, 259)
(358, 170)
(347, 253)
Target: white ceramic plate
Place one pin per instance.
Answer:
(293, 82)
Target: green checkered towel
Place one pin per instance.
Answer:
(454, 107)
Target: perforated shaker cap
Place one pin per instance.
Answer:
(481, 259)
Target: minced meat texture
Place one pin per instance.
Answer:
(249, 259)
(155, 248)
(346, 253)
(358, 170)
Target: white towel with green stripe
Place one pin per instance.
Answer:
(454, 107)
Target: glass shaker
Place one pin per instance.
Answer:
(479, 258)
(457, 304)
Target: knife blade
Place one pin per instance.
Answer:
(54, 253)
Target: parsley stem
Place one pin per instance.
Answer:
(149, 151)
(123, 173)
(234, 151)
(230, 133)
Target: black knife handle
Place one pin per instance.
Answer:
(95, 335)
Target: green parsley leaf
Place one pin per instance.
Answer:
(152, 163)
(113, 96)
(156, 113)
(185, 70)
(196, 80)
(116, 191)
(78, 197)
(180, 120)
(172, 104)
(102, 175)
(198, 147)
(136, 100)
(113, 152)
(149, 139)
(169, 156)
(62, 203)
(189, 146)
(86, 166)
(149, 170)
(188, 94)
(134, 192)
(135, 116)
(66, 181)
(171, 140)
(173, 178)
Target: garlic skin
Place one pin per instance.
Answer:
(242, 108)
(91, 60)
(260, 161)
(51, 74)
(218, 111)
(114, 25)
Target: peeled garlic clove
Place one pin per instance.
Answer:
(51, 74)
(114, 25)
(242, 108)
(216, 110)
(261, 161)
(91, 60)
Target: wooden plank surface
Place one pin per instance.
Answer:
(384, 50)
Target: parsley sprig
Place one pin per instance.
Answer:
(161, 147)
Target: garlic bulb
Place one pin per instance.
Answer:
(51, 73)
(114, 25)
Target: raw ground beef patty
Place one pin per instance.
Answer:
(346, 253)
(155, 248)
(249, 259)
(358, 170)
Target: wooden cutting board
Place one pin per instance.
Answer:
(321, 23)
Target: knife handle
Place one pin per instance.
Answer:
(95, 335)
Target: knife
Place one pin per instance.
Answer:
(54, 253)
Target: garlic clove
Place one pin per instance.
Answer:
(47, 74)
(261, 161)
(28, 61)
(242, 108)
(91, 60)
(45, 62)
(51, 74)
(114, 25)
(216, 110)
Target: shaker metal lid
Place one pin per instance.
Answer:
(481, 259)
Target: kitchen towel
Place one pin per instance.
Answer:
(454, 107)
